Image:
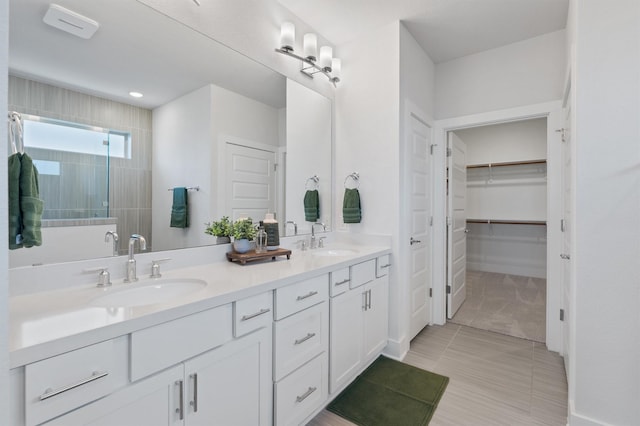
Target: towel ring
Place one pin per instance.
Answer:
(355, 176)
(315, 179)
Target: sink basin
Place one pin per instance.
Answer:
(333, 252)
(148, 293)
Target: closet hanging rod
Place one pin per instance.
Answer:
(507, 163)
(189, 188)
(508, 222)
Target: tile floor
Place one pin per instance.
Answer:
(507, 304)
(494, 379)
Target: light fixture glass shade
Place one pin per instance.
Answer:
(310, 46)
(336, 69)
(287, 35)
(326, 53)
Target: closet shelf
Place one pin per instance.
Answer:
(508, 222)
(507, 163)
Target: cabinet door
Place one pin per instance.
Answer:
(346, 338)
(231, 385)
(376, 318)
(154, 401)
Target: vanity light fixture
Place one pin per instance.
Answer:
(326, 64)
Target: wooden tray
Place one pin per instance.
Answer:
(251, 255)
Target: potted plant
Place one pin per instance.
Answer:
(243, 233)
(221, 229)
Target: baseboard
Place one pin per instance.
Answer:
(576, 419)
(395, 350)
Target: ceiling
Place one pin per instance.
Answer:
(135, 48)
(446, 29)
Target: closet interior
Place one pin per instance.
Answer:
(506, 235)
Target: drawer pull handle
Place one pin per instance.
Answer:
(305, 395)
(51, 393)
(180, 409)
(342, 282)
(257, 314)
(194, 402)
(305, 338)
(306, 296)
(385, 266)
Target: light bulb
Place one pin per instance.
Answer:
(326, 53)
(336, 69)
(310, 46)
(287, 36)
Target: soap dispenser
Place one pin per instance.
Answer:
(271, 228)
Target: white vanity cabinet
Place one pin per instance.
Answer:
(191, 371)
(301, 337)
(359, 323)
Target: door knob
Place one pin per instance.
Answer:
(412, 241)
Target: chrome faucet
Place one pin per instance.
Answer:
(131, 262)
(295, 226)
(114, 236)
(312, 243)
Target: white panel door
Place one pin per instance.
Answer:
(419, 140)
(567, 193)
(457, 226)
(252, 182)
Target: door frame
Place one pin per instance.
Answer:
(553, 112)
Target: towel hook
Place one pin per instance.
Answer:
(355, 176)
(15, 132)
(315, 179)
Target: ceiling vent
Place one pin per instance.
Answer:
(70, 21)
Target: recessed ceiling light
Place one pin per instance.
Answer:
(135, 94)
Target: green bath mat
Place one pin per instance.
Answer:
(390, 393)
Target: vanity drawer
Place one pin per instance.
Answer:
(170, 343)
(252, 313)
(299, 338)
(301, 393)
(296, 297)
(62, 383)
(383, 263)
(362, 273)
(339, 282)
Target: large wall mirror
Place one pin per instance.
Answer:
(242, 137)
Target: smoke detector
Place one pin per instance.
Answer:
(70, 21)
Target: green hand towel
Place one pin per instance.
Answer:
(351, 208)
(31, 205)
(15, 219)
(311, 205)
(180, 208)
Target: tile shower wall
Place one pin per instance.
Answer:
(129, 179)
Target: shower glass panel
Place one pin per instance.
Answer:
(73, 164)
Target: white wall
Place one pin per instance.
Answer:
(367, 141)
(182, 135)
(308, 154)
(4, 276)
(607, 230)
(191, 131)
(523, 73)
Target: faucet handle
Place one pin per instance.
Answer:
(104, 277)
(303, 244)
(321, 242)
(155, 267)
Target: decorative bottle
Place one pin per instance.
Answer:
(271, 228)
(261, 240)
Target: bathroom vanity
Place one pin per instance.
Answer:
(261, 344)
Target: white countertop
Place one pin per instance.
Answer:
(48, 323)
